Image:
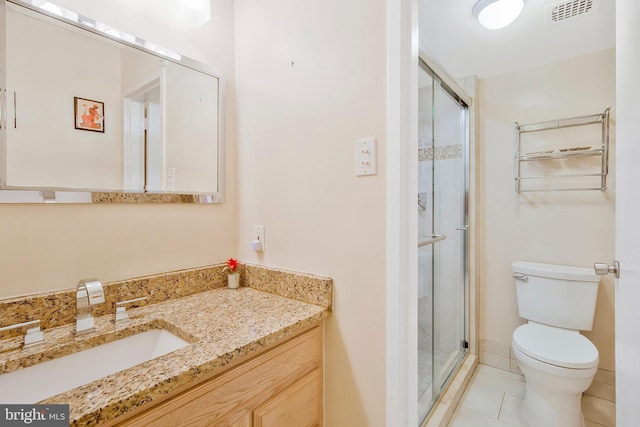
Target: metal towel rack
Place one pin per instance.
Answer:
(562, 153)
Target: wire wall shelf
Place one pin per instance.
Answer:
(537, 167)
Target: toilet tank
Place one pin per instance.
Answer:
(556, 295)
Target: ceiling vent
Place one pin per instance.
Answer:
(566, 10)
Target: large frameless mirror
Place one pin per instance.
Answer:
(92, 114)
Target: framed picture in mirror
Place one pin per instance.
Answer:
(89, 114)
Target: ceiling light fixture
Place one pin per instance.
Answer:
(496, 14)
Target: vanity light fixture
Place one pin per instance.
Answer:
(496, 14)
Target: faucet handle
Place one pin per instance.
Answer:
(121, 310)
(33, 336)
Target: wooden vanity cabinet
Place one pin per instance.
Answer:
(281, 387)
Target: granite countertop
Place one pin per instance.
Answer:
(222, 326)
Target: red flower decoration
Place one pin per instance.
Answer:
(232, 265)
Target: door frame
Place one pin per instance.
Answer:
(133, 137)
(627, 205)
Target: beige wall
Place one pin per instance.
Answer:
(54, 246)
(311, 81)
(571, 228)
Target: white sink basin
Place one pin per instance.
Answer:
(38, 382)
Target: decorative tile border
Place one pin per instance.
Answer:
(425, 154)
(441, 153)
(58, 308)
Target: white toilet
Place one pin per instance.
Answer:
(557, 362)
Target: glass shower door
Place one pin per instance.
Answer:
(442, 175)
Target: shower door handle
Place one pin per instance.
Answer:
(463, 228)
(431, 239)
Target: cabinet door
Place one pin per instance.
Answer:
(299, 405)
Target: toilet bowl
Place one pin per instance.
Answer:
(558, 365)
(557, 361)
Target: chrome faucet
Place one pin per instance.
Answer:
(89, 293)
(33, 336)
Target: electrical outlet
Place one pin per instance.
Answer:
(259, 235)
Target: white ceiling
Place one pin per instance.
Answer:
(452, 37)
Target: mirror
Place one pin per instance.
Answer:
(88, 109)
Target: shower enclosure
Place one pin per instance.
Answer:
(442, 241)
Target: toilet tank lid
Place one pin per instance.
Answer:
(554, 271)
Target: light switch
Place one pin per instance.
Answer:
(366, 157)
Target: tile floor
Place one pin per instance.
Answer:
(494, 398)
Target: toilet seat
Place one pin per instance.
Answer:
(555, 346)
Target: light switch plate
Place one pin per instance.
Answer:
(366, 157)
